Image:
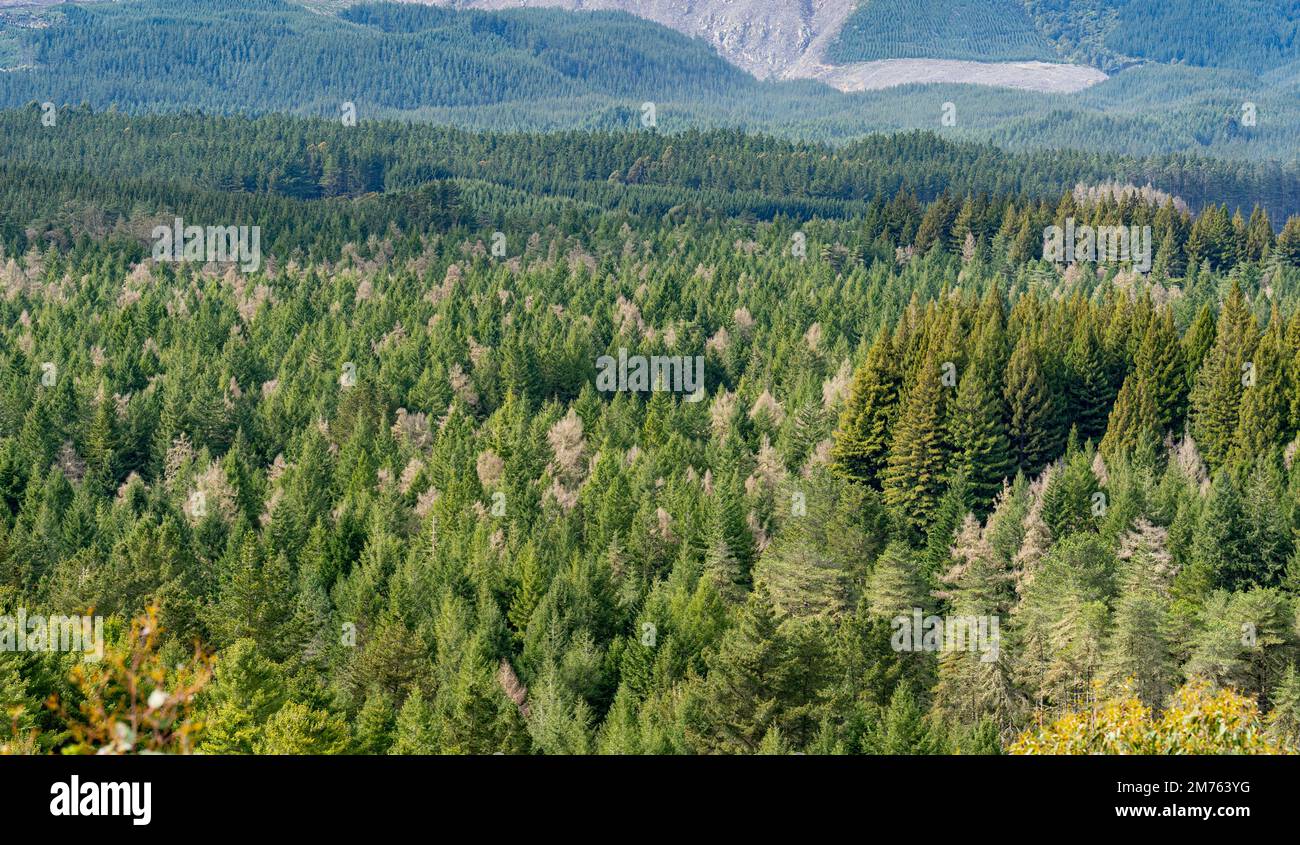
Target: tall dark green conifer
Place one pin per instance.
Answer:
(1032, 412)
(918, 455)
(977, 432)
(862, 439)
(1224, 376)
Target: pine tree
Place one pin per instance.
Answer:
(730, 551)
(620, 733)
(807, 428)
(16, 703)
(101, 472)
(1259, 236)
(982, 740)
(740, 698)
(1287, 248)
(1270, 528)
(1138, 649)
(914, 475)
(1032, 421)
(1197, 341)
(1217, 394)
(1070, 501)
(722, 567)
(473, 713)
(1059, 622)
(904, 728)
(532, 586)
(415, 731)
(975, 683)
(375, 724)
(1246, 640)
(558, 720)
(257, 601)
(863, 436)
(1265, 406)
(953, 508)
(896, 584)
(1161, 368)
(814, 565)
(1221, 545)
(299, 729)
(1088, 392)
(1284, 720)
(773, 743)
(977, 432)
(1134, 427)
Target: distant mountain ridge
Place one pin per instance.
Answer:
(790, 38)
(542, 69)
(764, 37)
(822, 39)
(1057, 46)
(827, 39)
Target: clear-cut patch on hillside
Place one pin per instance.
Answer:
(888, 73)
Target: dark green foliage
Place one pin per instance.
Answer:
(979, 30)
(472, 549)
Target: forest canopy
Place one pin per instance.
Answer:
(369, 497)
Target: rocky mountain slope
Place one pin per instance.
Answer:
(765, 37)
(788, 39)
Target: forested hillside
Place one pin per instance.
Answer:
(542, 69)
(151, 55)
(373, 496)
(1254, 35)
(980, 30)
(93, 171)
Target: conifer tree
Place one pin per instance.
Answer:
(1134, 426)
(375, 724)
(952, 511)
(1160, 365)
(1031, 421)
(914, 475)
(559, 722)
(1246, 640)
(17, 704)
(1284, 720)
(620, 733)
(975, 683)
(1259, 236)
(740, 698)
(299, 729)
(896, 584)
(1223, 377)
(977, 432)
(1265, 406)
(866, 423)
(815, 563)
(1088, 391)
(1138, 650)
(1069, 499)
(415, 729)
(904, 728)
(1197, 341)
(1058, 624)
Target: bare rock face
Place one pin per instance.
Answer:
(780, 39)
(765, 37)
(787, 39)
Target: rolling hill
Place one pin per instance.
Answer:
(545, 69)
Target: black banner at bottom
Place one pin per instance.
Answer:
(300, 795)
